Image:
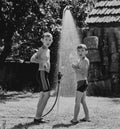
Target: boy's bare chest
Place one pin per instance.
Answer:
(81, 63)
(44, 54)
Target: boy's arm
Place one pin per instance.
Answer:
(32, 59)
(84, 68)
(35, 58)
(47, 67)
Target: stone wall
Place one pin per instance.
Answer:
(107, 69)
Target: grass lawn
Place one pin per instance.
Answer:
(18, 109)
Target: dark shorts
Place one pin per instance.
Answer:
(82, 85)
(42, 78)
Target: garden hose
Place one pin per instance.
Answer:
(54, 102)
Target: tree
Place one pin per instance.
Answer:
(30, 18)
(12, 16)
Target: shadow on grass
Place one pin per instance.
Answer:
(20, 117)
(116, 100)
(15, 96)
(26, 125)
(62, 125)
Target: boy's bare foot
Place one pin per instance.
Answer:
(74, 121)
(37, 121)
(85, 120)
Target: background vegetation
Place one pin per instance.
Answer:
(22, 23)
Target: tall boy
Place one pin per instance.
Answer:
(42, 57)
(81, 70)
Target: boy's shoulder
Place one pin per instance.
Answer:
(86, 60)
(40, 49)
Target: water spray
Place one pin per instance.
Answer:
(69, 41)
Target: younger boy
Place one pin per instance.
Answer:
(81, 70)
(42, 57)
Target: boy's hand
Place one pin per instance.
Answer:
(74, 66)
(46, 68)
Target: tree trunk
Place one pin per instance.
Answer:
(10, 29)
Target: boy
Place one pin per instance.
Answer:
(81, 70)
(42, 57)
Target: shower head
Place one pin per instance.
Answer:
(68, 7)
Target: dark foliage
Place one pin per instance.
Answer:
(22, 22)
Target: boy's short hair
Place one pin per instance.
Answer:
(47, 34)
(82, 46)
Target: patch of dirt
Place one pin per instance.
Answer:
(18, 110)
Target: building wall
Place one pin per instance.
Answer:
(109, 67)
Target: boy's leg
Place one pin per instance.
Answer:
(38, 112)
(41, 104)
(86, 111)
(44, 101)
(77, 105)
(45, 95)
